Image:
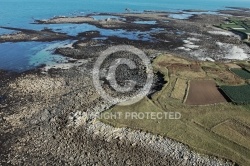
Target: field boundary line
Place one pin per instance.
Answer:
(221, 138)
(236, 74)
(187, 91)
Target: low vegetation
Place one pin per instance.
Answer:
(238, 94)
(243, 73)
(220, 130)
(238, 26)
(179, 90)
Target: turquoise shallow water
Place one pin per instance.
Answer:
(24, 56)
(20, 13)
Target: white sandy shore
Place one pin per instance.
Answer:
(64, 66)
(224, 33)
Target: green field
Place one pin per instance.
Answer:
(238, 94)
(245, 74)
(242, 26)
(221, 130)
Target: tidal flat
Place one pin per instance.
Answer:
(49, 114)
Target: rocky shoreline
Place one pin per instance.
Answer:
(195, 37)
(51, 117)
(32, 35)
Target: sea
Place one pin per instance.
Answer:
(22, 56)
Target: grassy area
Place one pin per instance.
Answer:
(245, 74)
(195, 128)
(238, 94)
(247, 106)
(206, 129)
(234, 131)
(179, 90)
(221, 74)
(241, 26)
(245, 65)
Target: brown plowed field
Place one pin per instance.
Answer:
(204, 92)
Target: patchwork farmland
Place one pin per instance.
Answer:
(221, 129)
(238, 26)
